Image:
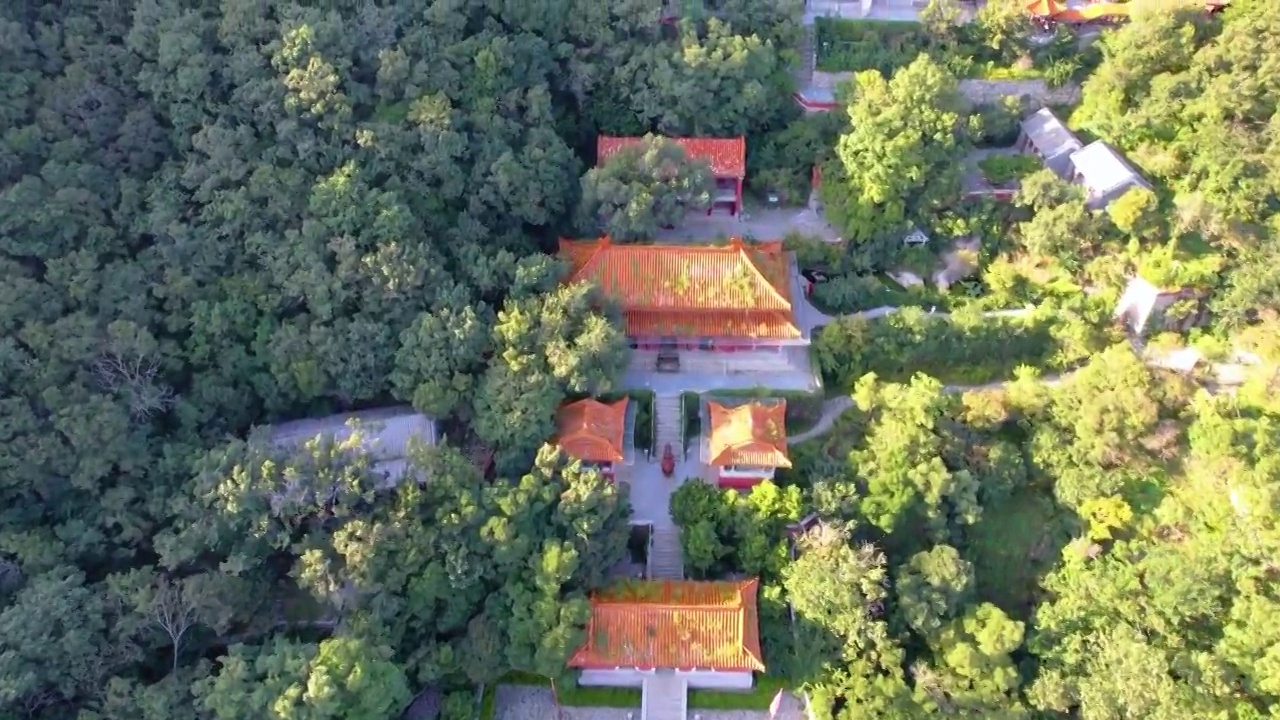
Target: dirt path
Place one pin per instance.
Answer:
(837, 406)
(1227, 376)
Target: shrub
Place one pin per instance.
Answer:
(853, 45)
(961, 349)
(783, 161)
(998, 124)
(851, 293)
(1000, 169)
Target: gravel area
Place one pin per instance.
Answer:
(532, 703)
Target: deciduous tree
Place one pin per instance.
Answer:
(642, 188)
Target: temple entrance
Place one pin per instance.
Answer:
(668, 357)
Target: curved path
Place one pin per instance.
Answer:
(813, 318)
(1227, 375)
(837, 406)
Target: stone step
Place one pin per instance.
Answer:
(669, 430)
(666, 561)
(664, 697)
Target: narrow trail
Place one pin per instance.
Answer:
(837, 406)
(1228, 375)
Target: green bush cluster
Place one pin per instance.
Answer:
(853, 45)
(1000, 169)
(967, 349)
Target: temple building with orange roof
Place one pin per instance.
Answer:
(706, 633)
(726, 156)
(744, 442)
(688, 301)
(599, 434)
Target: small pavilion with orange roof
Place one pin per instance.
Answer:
(713, 298)
(1078, 12)
(708, 633)
(595, 433)
(726, 156)
(745, 443)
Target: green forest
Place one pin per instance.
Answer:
(219, 215)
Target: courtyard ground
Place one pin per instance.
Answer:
(756, 223)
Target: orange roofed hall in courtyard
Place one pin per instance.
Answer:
(726, 156)
(595, 433)
(745, 443)
(706, 632)
(713, 298)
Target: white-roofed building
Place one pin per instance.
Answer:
(1142, 303)
(385, 434)
(1104, 174)
(1045, 136)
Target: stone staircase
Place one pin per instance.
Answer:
(664, 697)
(667, 411)
(808, 58)
(665, 559)
(666, 562)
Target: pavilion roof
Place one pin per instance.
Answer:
(1045, 8)
(733, 290)
(754, 433)
(674, 624)
(593, 431)
(727, 156)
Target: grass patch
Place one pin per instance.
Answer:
(757, 698)
(489, 702)
(1014, 544)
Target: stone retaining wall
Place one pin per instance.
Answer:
(987, 92)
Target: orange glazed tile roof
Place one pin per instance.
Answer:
(735, 290)
(674, 625)
(750, 434)
(592, 431)
(1045, 8)
(727, 156)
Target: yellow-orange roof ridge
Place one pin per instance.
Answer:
(683, 277)
(674, 624)
(593, 431)
(726, 156)
(752, 433)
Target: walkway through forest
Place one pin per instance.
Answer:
(1227, 374)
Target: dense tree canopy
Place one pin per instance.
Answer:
(643, 188)
(1196, 107)
(899, 158)
(217, 216)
